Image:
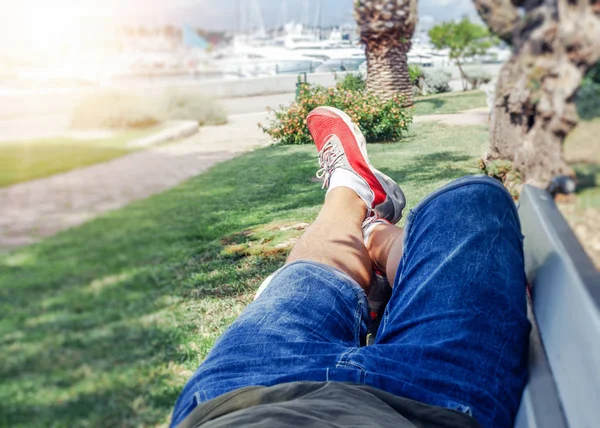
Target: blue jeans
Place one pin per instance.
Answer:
(454, 333)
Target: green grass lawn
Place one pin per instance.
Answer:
(101, 325)
(452, 102)
(26, 160)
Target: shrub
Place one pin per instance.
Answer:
(114, 109)
(379, 120)
(505, 172)
(588, 99)
(438, 81)
(351, 82)
(478, 77)
(185, 105)
(594, 74)
(415, 72)
(117, 109)
(588, 95)
(417, 79)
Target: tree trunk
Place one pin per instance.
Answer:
(534, 110)
(463, 76)
(388, 73)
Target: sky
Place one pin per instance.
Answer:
(222, 13)
(211, 14)
(38, 25)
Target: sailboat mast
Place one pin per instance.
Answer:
(319, 17)
(238, 16)
(305, 11)
(283, 17)
(257, 12)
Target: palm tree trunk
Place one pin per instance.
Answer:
(388, 73)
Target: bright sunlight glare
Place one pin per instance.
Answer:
(48, 31)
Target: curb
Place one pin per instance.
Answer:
(175, 131)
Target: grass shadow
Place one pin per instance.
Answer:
(434, 166)
(449, 103)
(587, 175)
(429, 103)
(125, 301)
(103, 324)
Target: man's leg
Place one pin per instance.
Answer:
(313, 314)
(455, 332)
(385, 247)
(335, 238)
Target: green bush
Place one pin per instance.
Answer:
(128, 110)
(351, 82)
(594, 74)
(115, 110)
(379, 120)
(186, 105)
(415, 72)
(477, 77)
(588, 95)
(417, 79)
(588, 100)
(438, 81)
(504, 171)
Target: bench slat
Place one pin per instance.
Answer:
(566, 302)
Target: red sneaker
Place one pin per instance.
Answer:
(344, 163)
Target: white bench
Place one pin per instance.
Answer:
(564, 356)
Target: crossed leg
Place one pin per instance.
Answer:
(453, 335)
(311, 315)
(455, 331)
(336, 239)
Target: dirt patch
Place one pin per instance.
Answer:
(272, 239)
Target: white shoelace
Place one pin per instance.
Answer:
(330, 158)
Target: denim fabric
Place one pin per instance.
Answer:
(454, 334)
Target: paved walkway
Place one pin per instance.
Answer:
(40, 208)
(476, 116)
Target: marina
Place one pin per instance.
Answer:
(170, 54)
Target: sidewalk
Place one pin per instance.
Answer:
(40, 208)
(476, 116)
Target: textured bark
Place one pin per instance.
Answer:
(386, 28)
(388, 73)
(555, 44)
(500, 15)
(463, 76)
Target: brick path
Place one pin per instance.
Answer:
(40, 208)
